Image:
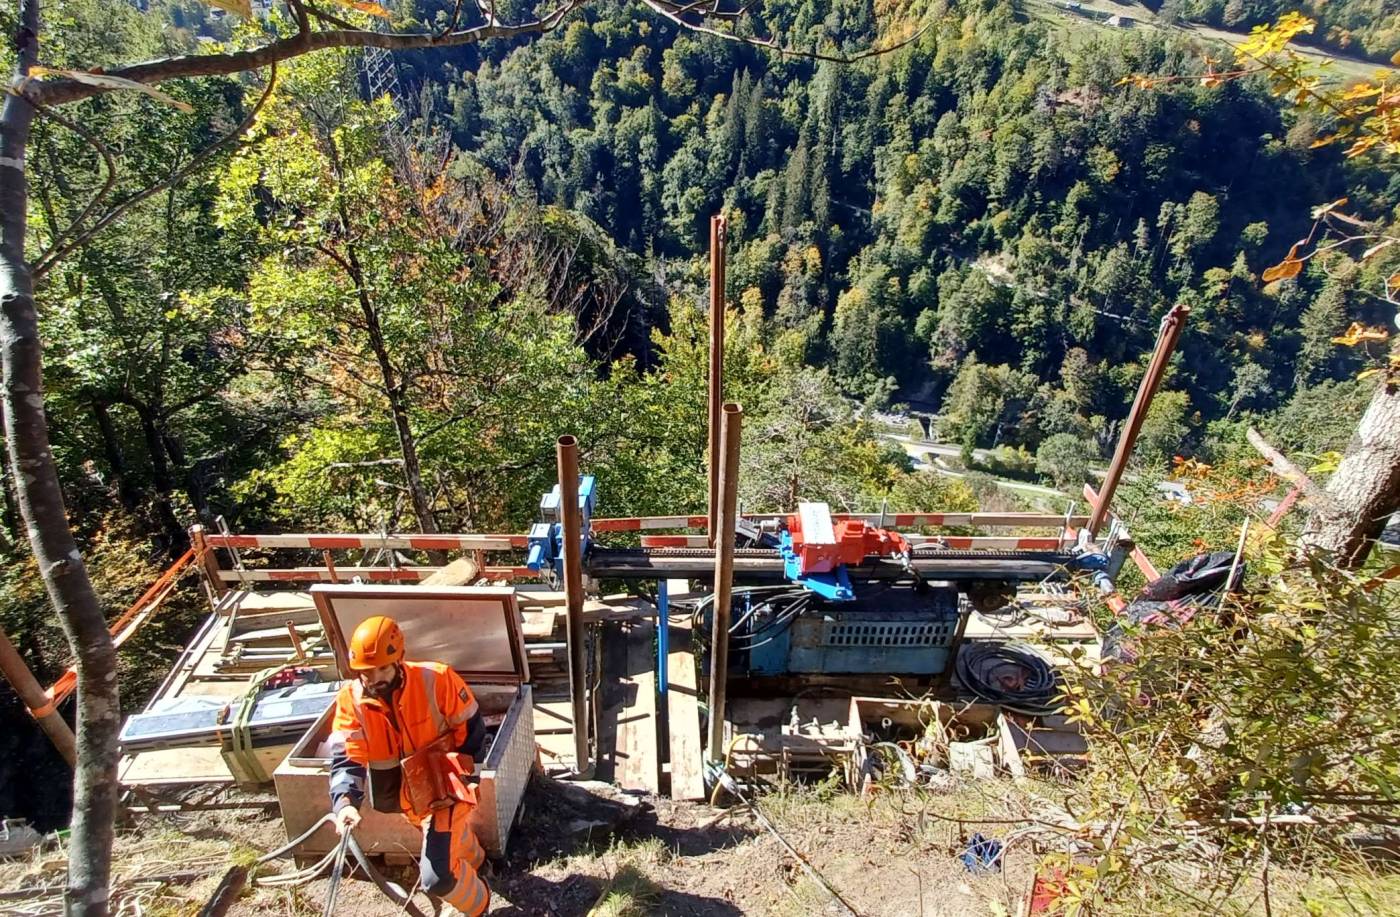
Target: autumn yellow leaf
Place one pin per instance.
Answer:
(242, 8)
(1361, 91)
(364, 6)
(1359, 333)
(1291, 266)
(1396, 59)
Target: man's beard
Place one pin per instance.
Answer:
(384, 690)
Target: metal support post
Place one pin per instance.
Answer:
(567, 455)
(1166, 343)
(40, 705)
(663, 634)
(717, 237)
(724, 575)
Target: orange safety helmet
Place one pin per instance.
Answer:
(377, 642)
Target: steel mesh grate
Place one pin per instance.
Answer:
(889, 633)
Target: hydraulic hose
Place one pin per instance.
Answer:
(1010, 675)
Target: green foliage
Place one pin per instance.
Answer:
(1065, 459)
(1283, 700)
(1165, 427)
(1365, 28)
(989, 188)
(987, 405)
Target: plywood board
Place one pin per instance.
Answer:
(683, 706)
(554, 730)
(637, 762)
(983, 627)
(175, 766)
(433, 620)
(539, 625)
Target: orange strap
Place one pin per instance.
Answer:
(43, 710)
(68, 681)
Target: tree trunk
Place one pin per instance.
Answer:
(1365, 486)
(163, 480)
(408, 445)
(46, 519)
(190, 472)
(116, 460)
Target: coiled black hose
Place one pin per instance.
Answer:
(1010, 675)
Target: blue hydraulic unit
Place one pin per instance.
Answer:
(545, 544)
(895, 629)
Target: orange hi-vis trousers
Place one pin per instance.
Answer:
(451, 857)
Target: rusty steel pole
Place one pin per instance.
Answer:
(733, 416)
(717, 241)
(567, 454)
(1170, 333)
(40, 705)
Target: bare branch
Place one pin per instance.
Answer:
(327, 17)
(1291, 473)
(451, 23)
(46, 262)
(298, 9)
(62, 91)
(108, 182)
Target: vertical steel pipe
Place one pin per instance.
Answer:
(717, 242)
(733, 416)
(567, 454)
(40, 705)
(1161, 356)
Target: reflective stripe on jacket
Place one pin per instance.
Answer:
(368, 733)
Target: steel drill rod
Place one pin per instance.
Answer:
(1156, 369)
(716, 380)
(733, 416)
(567, 454)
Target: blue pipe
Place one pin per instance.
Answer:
(663, 633)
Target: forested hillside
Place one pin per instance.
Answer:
(239, 283)
(1365, 28)
(989, 192)
(985, 222)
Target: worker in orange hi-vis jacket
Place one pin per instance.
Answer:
(394, 716)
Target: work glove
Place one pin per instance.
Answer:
(346, 819)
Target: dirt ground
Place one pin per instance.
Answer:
(565, 858)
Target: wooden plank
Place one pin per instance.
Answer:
(460, 572)
(955, 542)
(611, 696)
(637, 761)
(175, 766)
(683, 706)
(554, 730)
(539, 625)
(987, 627)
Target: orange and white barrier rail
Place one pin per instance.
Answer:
(956, 542)
(406, 542)
(367, 574)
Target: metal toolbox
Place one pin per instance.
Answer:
(475, 630)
